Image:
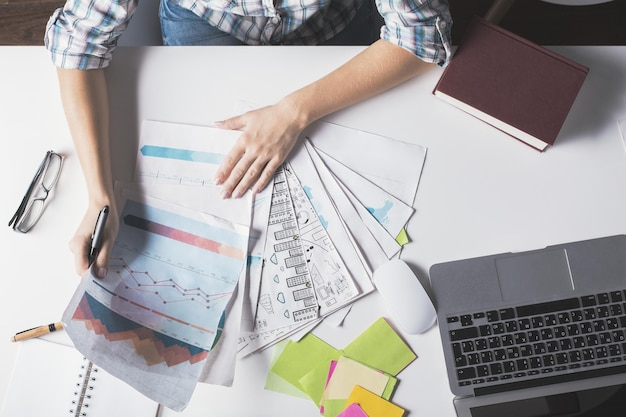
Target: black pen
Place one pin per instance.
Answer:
(98, 232)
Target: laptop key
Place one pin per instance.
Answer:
(466, 320)
(499, 354)
(577, 315)
(462, 334)
(616, 310)
(482, 370)
(507, 314)
(548, 307)
(588, 300)
(496, 368)
(466, 373)
(509, 366)
(492, 316)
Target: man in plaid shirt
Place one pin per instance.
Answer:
(82, 36)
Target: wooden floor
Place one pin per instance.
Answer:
(22, 22)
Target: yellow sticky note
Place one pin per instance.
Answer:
(349, 373)
(372, 404)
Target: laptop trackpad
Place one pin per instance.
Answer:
(534, 276)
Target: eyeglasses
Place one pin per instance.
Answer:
(32, 205)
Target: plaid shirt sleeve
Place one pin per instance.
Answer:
(419, 26)
(84, 33)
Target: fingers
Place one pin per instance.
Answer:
(266, 176)
(227, 166)
(102, 260)
(234, 123)
(243, 176)
(268, 135)
(80, 245)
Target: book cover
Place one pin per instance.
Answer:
(511, 83)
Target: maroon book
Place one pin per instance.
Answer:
(511, 83)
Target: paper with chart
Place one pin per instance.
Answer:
(392, 165)
(154, 319)
(372, 246)
(188, 156)
(389, 211)
(177, 162)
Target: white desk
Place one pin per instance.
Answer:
(481, 192)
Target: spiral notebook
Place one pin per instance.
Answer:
(51, 379)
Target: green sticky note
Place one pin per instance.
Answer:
(402, 238)
(314, 382)
(380, 347)
(298, 358)
(332, 408)
(274, 382)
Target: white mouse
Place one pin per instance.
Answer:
(405, 296)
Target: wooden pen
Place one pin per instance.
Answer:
(37, 331)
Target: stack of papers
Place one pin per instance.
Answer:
(361, 378)
(194, 280)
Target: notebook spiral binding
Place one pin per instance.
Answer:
(83, 389)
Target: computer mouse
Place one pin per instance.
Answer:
(405, 296)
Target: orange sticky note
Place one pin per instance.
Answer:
(372, 404)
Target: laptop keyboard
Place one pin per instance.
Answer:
(550, 338)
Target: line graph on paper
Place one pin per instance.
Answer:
(168, 172)
(172, 274)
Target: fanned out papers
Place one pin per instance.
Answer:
(350, 211)
(195, 281)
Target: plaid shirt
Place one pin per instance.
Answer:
(84, 33)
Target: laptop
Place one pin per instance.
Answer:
(536, 333)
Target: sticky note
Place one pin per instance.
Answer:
(315, 381)
(276, 383)
(349, 373)
(402, 238)
(298, 358)
(380, 347)
(372, 404)
(353, 410)
(333, 407)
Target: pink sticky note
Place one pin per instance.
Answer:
(353, 410)
(333, 364)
